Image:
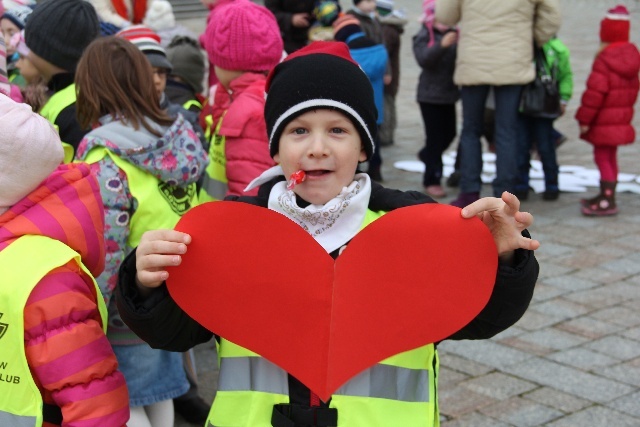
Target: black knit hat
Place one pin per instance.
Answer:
(58, 31)
(320, 75)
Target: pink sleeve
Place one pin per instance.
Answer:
(70, 357)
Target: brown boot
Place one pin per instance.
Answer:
(604, 204)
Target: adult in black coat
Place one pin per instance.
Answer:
(294, 17)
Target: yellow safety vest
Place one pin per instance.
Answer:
(399, 391)
(191, 103)
(23, 264)
(58, 102)
(160, 205)
(214, 184)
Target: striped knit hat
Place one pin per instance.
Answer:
(320, 75)
(148, 41)
(18, 15)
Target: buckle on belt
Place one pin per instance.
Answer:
(286, 415)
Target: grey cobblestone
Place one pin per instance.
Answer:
(569, 380)
(522, 413)
(498, 385)
(596, 416)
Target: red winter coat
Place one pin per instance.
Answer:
(244, 129)
(612, 89)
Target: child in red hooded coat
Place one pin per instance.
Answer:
(606, 111)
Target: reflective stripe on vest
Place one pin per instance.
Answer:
(50, 111)
(214, 184)
(400, 390)
(192, 103)
(23, 264)
(160, 205)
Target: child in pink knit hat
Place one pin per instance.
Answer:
(243, 45)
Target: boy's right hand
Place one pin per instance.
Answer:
(157, 250)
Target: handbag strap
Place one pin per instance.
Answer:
(541, 65)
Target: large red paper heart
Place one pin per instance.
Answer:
(254, 277)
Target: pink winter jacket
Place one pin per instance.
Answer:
(245, 132)
(68, 353)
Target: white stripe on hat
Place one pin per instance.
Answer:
(319, 103)
(617, 16)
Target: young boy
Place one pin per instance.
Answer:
(184, 82)
(56, 33)
(321, 118)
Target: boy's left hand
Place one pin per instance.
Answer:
(505, 221)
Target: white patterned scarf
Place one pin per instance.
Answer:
(332, 224)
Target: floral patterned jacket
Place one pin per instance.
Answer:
(177, 158)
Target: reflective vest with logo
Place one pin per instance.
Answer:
(160, 205)
(214, 184)
(58, 102)
(23, 264)
(398, 391)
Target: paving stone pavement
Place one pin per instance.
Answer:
(574, 358)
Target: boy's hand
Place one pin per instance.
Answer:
(157, 250)
(505, 221)
(584, 129)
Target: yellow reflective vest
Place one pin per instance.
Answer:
(23, 264)
(214, 184)
(58, 102)
(160, 205)
(398, 391)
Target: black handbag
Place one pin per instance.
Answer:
(541, 97)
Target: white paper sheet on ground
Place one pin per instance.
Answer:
(448, 159)
(487, 179)
(572, 178)
(447, 170)
(626, 177)
(489, 157)
(629, 187)
(571, 168)
(571, 183)
(536, 174)
(537, 185)
(489, 168)
(410, 165)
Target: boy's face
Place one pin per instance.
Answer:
(27, 70)
(8, 30)
(367, 6)
(160, 79)
(327, 146)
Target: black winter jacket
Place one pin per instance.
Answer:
(294, 38)
(162, 324)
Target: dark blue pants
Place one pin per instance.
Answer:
(474, 98)
(539, 130)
